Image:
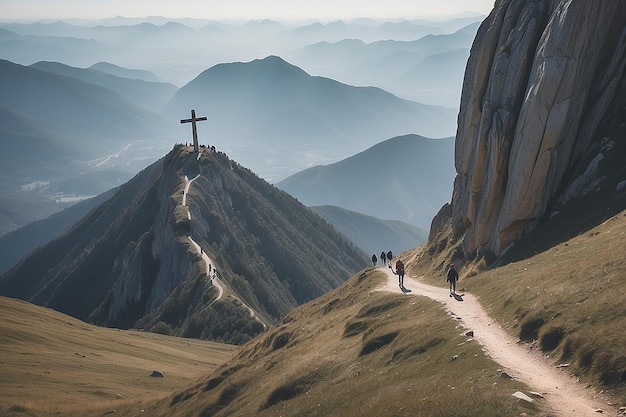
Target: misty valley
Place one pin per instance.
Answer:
(87, 105)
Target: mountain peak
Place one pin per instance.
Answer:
(195, 241)
(256, 71)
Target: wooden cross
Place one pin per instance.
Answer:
(194, 129)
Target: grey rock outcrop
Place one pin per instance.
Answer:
(541, 78)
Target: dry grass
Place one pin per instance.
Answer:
(352, 352)
(568, 300)
(52, 364)
(355, 352)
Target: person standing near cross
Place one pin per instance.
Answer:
(194, 129)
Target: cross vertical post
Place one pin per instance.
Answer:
(194, 129)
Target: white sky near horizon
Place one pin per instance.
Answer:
(240, 9)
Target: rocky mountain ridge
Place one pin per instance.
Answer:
(543, 83)
(132, 261)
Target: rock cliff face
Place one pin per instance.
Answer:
(542, 78)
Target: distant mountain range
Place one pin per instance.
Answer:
(276, 119)
(268, 114)
(429, 69)
(407, 178)
(179, 49)
(76, 123)
(148, 95)
(71, 133)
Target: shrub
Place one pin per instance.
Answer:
(551, 338)
(377, 343)
(529, 330)
(354, 328)
(292, 389)
(162, 328)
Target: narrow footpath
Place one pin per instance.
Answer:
(563, 394)
(210, 271)
(209, 264)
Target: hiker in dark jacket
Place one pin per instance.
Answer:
(383, 257)
(374, 259)
(453, 277)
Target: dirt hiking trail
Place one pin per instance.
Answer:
(562, 394)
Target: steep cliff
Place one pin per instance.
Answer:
(543, 81)
(195, 244)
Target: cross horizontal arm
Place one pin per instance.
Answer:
(197, 119)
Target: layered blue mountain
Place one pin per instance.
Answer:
(429, 69)
(277, 119)
(28, 48)
(71, 133)
(404, 178)
(177, 50)
(135, 74)
(89, 119)
(147, 95)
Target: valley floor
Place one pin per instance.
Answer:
(563, 394)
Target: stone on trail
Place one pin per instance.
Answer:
(505, 375)
(522, 396)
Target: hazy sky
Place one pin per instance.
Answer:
(239, 9)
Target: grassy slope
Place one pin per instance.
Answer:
(52, 364)
(568, 300)
(354, 352)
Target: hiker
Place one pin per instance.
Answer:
(453, 277)
(400, 272)
(383, 257)
(389, 256)
(374, 259)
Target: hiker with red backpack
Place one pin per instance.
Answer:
(400, 272)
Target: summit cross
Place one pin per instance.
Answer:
(194, 129)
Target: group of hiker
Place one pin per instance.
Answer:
(452, 275)
(384, 257)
